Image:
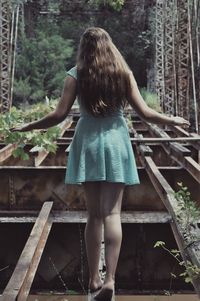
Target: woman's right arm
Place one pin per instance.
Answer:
(59, 114)
(137, 102)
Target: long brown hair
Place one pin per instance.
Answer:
(103, 77)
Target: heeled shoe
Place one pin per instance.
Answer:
(108, 295)
(92, 293)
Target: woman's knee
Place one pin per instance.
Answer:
(106, 211)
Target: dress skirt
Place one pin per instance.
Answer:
(101, 150)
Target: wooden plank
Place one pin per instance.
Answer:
(6, 151)
(180, 131)
(136, 217)
(166, 139)
(193, 167)
(41, 155)
(18, 167)
(145, 149)
(26, 286)
(21, 279)
(166, 194)
(179, 153)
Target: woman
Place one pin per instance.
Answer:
(101, 156)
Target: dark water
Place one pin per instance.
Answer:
(117, 298)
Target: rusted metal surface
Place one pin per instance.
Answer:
(140, 217)
(19, 284)
(142, 204)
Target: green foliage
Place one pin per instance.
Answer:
(151, 99)
(40, 66)
(115, 4)
(42, 140)
(188, 215)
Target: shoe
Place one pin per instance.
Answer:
(95, 290)
(92, 293)
(106, 295)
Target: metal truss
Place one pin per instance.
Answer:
(169, 57)
(183, 59)
(172, 56)
(160, 83)
(5, 66)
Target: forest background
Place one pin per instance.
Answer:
(49, 33)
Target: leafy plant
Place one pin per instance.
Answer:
(115, 4)
(188, 216)
(191, 270)
(151, 99)
(42, 140)
(188, 213)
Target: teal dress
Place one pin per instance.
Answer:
(101, 149)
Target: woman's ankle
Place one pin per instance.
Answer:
(109, 279)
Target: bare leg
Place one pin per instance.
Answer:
(93, 232)
(110, 203)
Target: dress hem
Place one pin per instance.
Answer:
(103, 180)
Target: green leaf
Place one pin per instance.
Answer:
(159, 244)
(188, 280)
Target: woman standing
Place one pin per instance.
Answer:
(101, 155)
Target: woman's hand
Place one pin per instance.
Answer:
(180, 121)
(24, 128)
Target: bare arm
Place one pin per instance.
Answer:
(148, 114)
(60, 113)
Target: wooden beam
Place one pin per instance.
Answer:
(127, 217)
(179, 153)
(189, 250)
(21, 280)
(180, 131)
(6, 151)
(166, 139)
(147, 139)
(41, 155)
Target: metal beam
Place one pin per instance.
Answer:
(5, 67)
(127, 217)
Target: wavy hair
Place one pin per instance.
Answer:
(103, 76)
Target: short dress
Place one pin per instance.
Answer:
(101, 149)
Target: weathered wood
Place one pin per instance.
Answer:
(166, 193)
(6, 151)
(166, 139)
(179, 153)
(24, 291)
(145, 149)
(21, 279)
(147, 139)
(41, 155)
(127, 217)
(180, 131)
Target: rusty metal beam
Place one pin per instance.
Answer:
(135, 217)
(20, 282)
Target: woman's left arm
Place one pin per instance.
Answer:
(59, 114)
